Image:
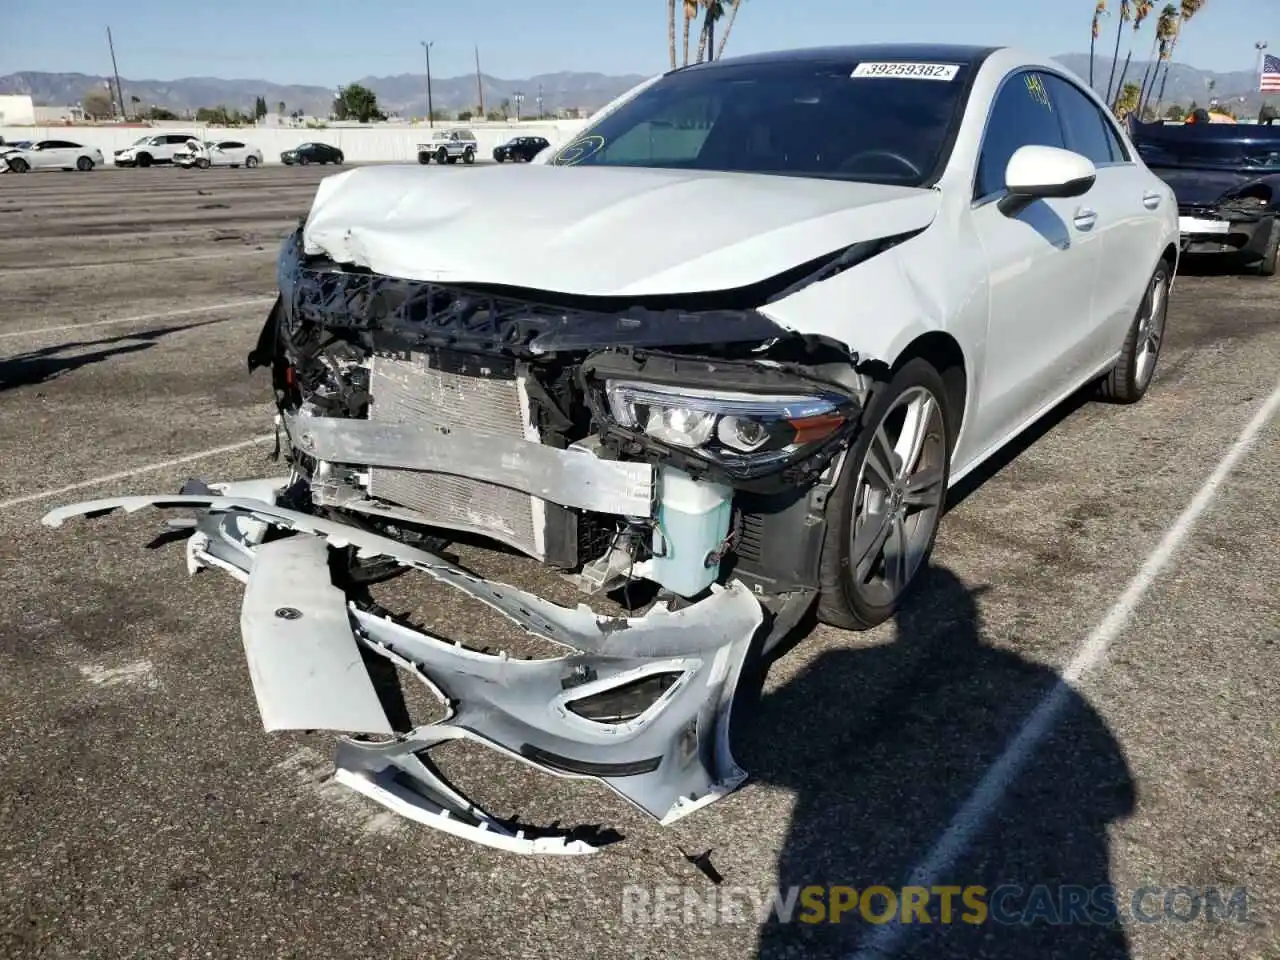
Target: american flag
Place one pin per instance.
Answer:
(1270, 81)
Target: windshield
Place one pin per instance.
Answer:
(828, 119)
(1199, 153)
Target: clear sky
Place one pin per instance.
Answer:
(328, 42)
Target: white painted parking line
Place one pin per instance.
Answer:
(988, 794)
(141, 318)
(134, 262)
(135, 472)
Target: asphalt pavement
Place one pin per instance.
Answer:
(144, 812)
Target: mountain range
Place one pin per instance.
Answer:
(405, 94)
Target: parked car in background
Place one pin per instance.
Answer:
(152, 149)
(219, 153)
(520, 148)
(49, 155)
(446, 146)
(311, 152)
(1227, 180)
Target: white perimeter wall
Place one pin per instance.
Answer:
(358, 144)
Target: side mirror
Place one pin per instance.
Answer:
(1036, 172)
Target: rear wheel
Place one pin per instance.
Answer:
(1129, 378)
(883, 515)
(250, 162)
(424, 157)
(84, 164)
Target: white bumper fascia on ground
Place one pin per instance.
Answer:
(305, 641)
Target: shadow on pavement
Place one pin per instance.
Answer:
(883, 746)
(48, 363)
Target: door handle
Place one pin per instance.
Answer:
(1085, 218)
(1151, 199)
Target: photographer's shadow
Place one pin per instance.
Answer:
(885, 744)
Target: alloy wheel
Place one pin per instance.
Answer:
(1150, 331)
(898, 497)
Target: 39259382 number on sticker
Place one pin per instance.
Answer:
(907, 70)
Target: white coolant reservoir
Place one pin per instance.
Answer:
(693, 520)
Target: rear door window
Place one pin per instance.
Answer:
(1085, 127)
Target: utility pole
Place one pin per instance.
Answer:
(124, 111)
(539, 101)
(479, 83)
(426, 48)
(517, 98)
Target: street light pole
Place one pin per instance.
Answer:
(518, 97)
(426, 48)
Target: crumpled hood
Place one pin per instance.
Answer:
(598, 231)
(1203, 187)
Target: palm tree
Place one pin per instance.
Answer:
(1141, 10)
(1166, 25)
(1099, 11)
(1115, 57)
(690, 11)
(713, 10)
(728, 27)
(1189, 9)
(671, 31)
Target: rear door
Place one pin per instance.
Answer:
(1128, 228)
(1042, 261)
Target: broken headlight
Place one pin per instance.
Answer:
(726, 426)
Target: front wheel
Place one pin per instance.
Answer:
(442, 156)
(1128, 380)
(424, 157)
(203, 163)
(1271, 250)
(304, 161)
(144, 159)
(18, 165)
(883, 515)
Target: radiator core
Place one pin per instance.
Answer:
(413, 391)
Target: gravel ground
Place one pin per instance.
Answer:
(144, 812)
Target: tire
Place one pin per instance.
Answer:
(1271, 250)
(250, 162)
(424, 157)
(84, 164)
(144, 160)
(341, 159)
(468, 155)
(442, 156)
(203, 163)
(304, 161)
(911, 503)
(1128, 380)
(18, 165)
(499, 158)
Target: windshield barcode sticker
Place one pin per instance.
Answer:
(909, 71)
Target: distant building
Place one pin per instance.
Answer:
(51, 115)
(17, 110)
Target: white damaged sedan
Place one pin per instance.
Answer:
(736, 341)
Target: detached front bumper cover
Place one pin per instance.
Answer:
(304, 638)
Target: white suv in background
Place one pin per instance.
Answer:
(152, 149)
(446, 146)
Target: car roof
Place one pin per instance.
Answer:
(964, 54)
